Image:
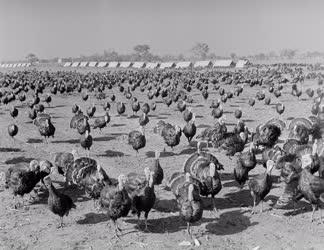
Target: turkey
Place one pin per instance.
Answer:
(210, 158)
(181, 105)
(135, 107)
(187, 194)
(267, 135)
(187, 115)
(291, 145)
(63, 161)
(312, 188)
(13, 112)
(143, 120)
(171, 134)
(22, 179)
(58, 203)
(101, 122)
(157, 170)
(12, 130)
(86, 141)
(260, 186)
(121, 108)
(45, 127)
(245, 162)
(145, 108)
(116, 201)
(82, 125)
(205, 171)
(79, 115)
(239, 127)
(190, 129)
(299, 130)
(143, 198)
(137, 139)
(48, 99)
(91, 110)
(213, 134)
(88, 175)
(232, 143)
(273, 154)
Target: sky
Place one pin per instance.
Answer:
(62, 28)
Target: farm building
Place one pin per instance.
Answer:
(102, 64)
(152, 65)
(125, 65)
(183, 65)
(223, 64)
(139, 65)
(75, 64)
(14, 65)
(113, 65)
(83, 64)
(167, 65)
(23, 64)
(202, 64)
(92, 64)
(242, 63)
(67, 64)
(19, 65)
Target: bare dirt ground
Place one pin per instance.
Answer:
(35, 227)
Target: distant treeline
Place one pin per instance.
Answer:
(200, 51)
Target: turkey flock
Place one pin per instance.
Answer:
(293, 147)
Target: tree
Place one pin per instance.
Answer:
(233, 56)
(142, 50)
(180, 57)
(111, 55)
(32, 58)
(200, 50)
(261, 57)
(272, 54)
(288, 53)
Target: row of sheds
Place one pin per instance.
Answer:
(163, 65)
(15, 65)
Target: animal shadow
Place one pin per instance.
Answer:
(151, 154)
(57, 106)
(93, 218)
(229, 223)
(33, 140)
(104, 138)
(203, 126)
(112, 153)
(19, 159)
(170, 224)
(70, 141)
(7, 150)
(118, 125)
